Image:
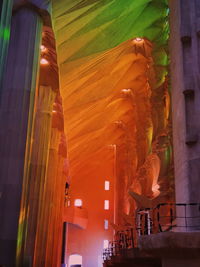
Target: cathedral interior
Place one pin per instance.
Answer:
(99, 133)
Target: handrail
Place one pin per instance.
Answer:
(168, 216)
(162, 218)
(123, 240)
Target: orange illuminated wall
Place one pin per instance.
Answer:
(89, 186)
(117, 129)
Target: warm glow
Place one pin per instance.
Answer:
(44, 61)
(105, 244)
(43, 48)
(75, 259)
(112, 94)
(126, 91)
(78, 203)
(138, 39)
(107, 185)
(106, 204)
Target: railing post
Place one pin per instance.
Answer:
(148, 223)
(132, 238)
(139, 223)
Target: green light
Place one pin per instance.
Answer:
(5, 33)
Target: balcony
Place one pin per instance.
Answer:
(76, 215)
(167, 235)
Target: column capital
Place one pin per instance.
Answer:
(41, 7)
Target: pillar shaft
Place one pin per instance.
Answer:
(34, 196)
(184, 54)
(44, 223)
(16, 109)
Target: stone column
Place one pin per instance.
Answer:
(37, 176)
(61, 181)
(53, 250)
(185, 68)
(16, 109)
(43, 234)
(5, 19)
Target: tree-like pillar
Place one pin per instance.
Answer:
(44, 220)
(57, 194)
(61, 180)
(37, 175)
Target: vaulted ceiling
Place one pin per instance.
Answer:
(112, 60)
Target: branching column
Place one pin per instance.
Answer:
(37, 176)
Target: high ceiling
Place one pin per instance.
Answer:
(108, 74)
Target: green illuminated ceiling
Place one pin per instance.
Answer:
(89, 34)
(87, 27)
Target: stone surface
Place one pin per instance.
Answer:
(180, 263)
(178, 108)
(17, 96)
(184, 21)
(172, 244)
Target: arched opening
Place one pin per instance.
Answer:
(75, 260)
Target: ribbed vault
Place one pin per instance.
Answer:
(113, 66)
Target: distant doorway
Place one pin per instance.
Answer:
(75, 260)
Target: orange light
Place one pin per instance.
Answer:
(43, 61)
(127, 92)
(43, 48)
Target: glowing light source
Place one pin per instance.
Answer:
(44, 61)
(78, 202)
(107, 185)
(43, 48)
(138, 39)
(75, 259)
(106, 204)
(126, 91)
(106, 224)
(4, 33)
(105, 243)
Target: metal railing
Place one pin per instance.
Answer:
(123, 240)
(177, 217)
(165, 217)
